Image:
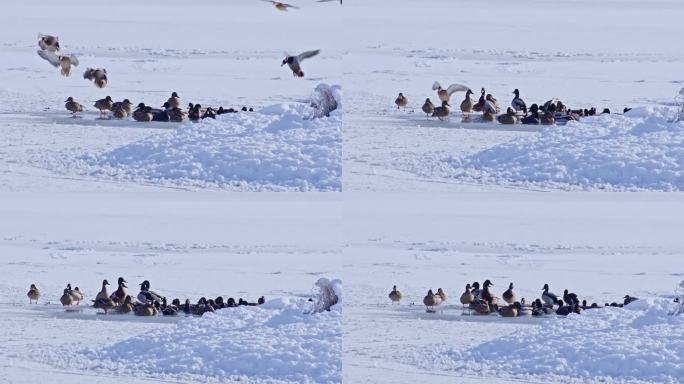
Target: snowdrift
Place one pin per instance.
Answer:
(281, 147)
(280, 341)
(641, 342)
(642, 150)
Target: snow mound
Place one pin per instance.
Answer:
(642, 150)
(281, 147)
(641, 342)
(275, 342)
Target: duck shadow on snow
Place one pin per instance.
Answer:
(86, 312)
(456, 121)
(456, 313)
(90, 119)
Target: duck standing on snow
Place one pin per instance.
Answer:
(533, 118)
(629, 299)
(104, 105)
(467, 104)
(401, 101)
(509, 295)
(442, 113)
(48, 42)
(518, 104)
(508, 118)
(143, 113)
(146, 295)
(174, 101)
(66, 299)
(294, 62)
(428, 108)
(73, 106)
(570, 298)
(490, 109)
(33, 294)
(431, 301)
(75, 294)
(395, 295)
(547, 297)
(510, 310)
(467, 296)
(445, 94)
(103, 294)
(477, 292)
(120, 294)
(441, 294)
(479, 106)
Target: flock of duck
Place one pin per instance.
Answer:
(481, 301)
(548, 113)
(146, 303)
(171, 109)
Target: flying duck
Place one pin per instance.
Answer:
(48, 42)
(65, 64)
(445, 94)
(281, 6)
(294, 62)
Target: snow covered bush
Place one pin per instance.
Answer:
(325, 99)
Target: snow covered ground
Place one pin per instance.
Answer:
(86, 199)
(433, 204)
(598, 245)
(235, 246)
(146, 60)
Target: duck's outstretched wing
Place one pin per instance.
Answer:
(453, 88)
(74, 60)
(308, 54)
(436, 86)
(50, 57)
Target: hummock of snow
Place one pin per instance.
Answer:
(642, 150)
(275, 342)
(640, 342)
(280, 147)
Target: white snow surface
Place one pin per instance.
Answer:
(641, 342)
(277, 148)
(642, 150)
(276, 342)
